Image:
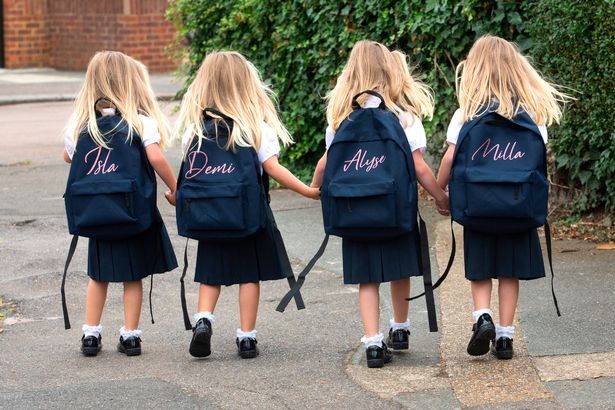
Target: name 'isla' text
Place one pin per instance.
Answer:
(100, 166)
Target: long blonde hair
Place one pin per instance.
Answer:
(494, 70)
(123, 82)
(371, 66)
(229, 83)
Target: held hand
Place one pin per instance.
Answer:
(313, 193)
(443, 206)
(170, 196)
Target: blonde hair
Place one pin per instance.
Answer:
(124, 83)
(494, 70)
(229, 83)
(371, 66)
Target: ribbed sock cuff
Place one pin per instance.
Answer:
(205, 314)
(244, 335)
(478, 313)
(375, 340)
(403, 325)
(91, 330)
(504, 331)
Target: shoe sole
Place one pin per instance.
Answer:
(130, 352)
(200, 346)
(503, 355)
(90, 351)
(398, 345)
(479, 344)
(248, 354)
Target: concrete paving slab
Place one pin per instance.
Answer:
(585, 394)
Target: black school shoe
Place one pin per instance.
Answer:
(91, 345)
(502, 348)
(131, 346)
(200, 345)
(377, 356)
(483, 331)
(398, 339)
(247, 348)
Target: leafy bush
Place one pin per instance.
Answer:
(301, 46)
(574, 45)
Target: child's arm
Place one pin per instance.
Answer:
(278, 172)
(162, 168)
(67, 157)
(319, 172)
(428, 181)
(444, 172)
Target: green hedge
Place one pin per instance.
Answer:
(574, 45)
(301, 46)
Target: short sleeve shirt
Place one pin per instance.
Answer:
(452, 133)
(269, 143)
(415, 133)
(151, 135)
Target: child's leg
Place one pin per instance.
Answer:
(484, 329)
(369, 306)
(508, 294)
(249, 294)
(481, 293)
(208, 297)
(399, 329)
(133, 299)
(96, 296)
(200, 345)
(400, 290)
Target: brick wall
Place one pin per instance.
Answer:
(64, 34)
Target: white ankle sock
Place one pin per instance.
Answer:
(244, 335)
(129, 333)
(375, 340)
(478, 313)
(395, 326)
(91, 330)
(504, 331)
(205, 314)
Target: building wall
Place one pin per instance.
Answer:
(64, 34)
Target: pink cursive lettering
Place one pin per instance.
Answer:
(197, 161)
(358, 161)
(100, 166)
(509, 153)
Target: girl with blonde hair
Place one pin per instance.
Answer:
(117, 88)
(371, 66)
(228, 92)
(496, 77)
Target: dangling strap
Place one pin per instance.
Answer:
(151, 288)
(301, 278)
(548, 240)
(71, 252)
(187, 323)
(426, 268)
(451, 258)
(279, 243)
(286, 266)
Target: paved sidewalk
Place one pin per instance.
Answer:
(310, 358)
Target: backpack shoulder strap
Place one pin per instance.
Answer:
(71, 252)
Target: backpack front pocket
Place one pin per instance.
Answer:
(103, 202)
(363, 205)
(502, 195)
(214, 207)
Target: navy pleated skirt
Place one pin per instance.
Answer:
(515, 255)
(385, 261)
(133, 258)
(249, 260)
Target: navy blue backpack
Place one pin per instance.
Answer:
(369, 189)
(498, 180)
(110, 193)
(220, 196)
(108, 196)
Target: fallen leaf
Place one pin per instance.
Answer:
(606, 246)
